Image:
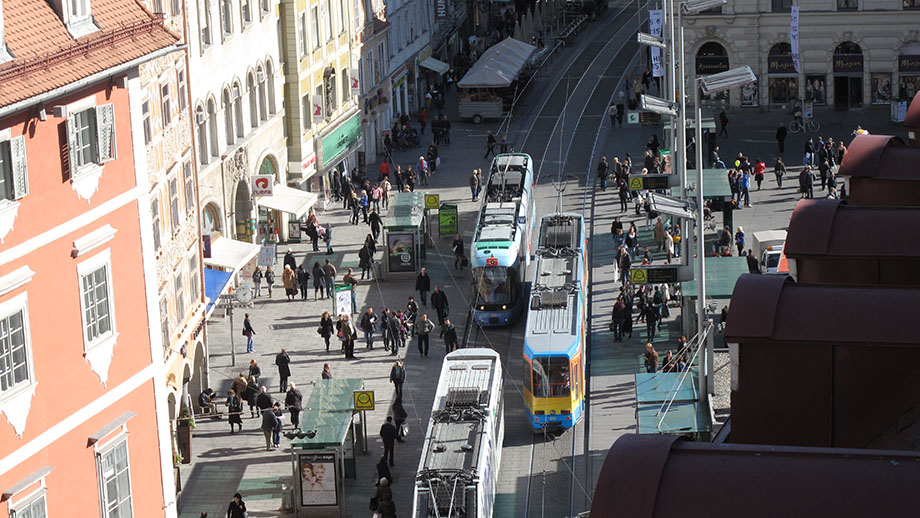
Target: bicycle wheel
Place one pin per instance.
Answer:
(795, 126)
(812, 126)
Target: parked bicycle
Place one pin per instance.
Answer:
(809, 125)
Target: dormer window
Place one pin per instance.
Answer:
(77, 16)
(79, 10)
(5, 54)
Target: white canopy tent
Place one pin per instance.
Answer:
(290, 200)
(435, 65)
(499, 65)
(230, 254)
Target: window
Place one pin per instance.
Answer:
(190, 198)
(265, 6)
(193, 287)
(97, 319)
(226, 20)
(175, 7)
(911, 4)
(550, 377)
(180, 85)
(331, 19)
(316, 37)
(329, 89)
(381, 68)
(14, 176)
(307, 111)
(238, 110)
(346, 86)
(91, 135)
(15, 359)
(79, 9)
(212, 128)
(174, 204)
(245, 11)
(228, 119)
(342, 22)
(145, 116)
(204, 20)
(155, 214)
(167, 111)
(201, 122)
(180, 298)
(303, 35)
(270, 79)
(260, 77)
(115, 481)
(782, 6)
(253, 101)
(370, 74)
(164, 322)
(34, 508)
(847, 5)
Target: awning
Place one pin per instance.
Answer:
(499, 65)
(290, 200)
(435, 65)
(215, 282)
(230, 254)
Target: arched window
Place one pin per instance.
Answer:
(267, 168)
(783, 82)
(228, 117)
(238, 109)
(270, 79)
(212, 127)
(263, 111)
(848, 47)
(226, 17)
(201, 123)
(210, 221)
(253, 101)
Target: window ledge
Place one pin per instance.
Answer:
(93, 240)
(86, 180)
(15, 279)
(9, 209)
(16, 406)
(99, 355)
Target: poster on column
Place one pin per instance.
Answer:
(654, 27)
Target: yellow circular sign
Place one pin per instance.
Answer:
(639, 276)
(635, 184)
(364, 400)
(432, 201)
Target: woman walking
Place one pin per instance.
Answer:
(234, 410)
(269, 279)
(257, 281)
(319, 278)
(326, 328)
(289, 281)
(303, 282)
(237, 508)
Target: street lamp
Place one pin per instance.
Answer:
(698, 6)
(709, 85)
(644, 38)
(658, 105)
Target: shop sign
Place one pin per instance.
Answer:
(317, 109)
(308, 166)
(318, 479)
(441, 12)
(844, 63)
(909, 63)
(340, 139)
(781, 64)
(401, 251)
(353, 81)
(262, 185)
(707, 65)
(447, 220)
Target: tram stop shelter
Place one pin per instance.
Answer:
(669, 403)
(715, 189)
(406, 232)
(721, 275)
(323, 448)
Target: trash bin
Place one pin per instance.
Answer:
(287, 498)
(378, 270)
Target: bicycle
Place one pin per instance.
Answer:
(809, 125)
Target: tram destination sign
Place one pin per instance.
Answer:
(639, 182)
(654, 275)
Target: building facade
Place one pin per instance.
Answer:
(324, 122)
(172, 173)
(371, 37)
(238, 116)
(86, 429)
(855, 54)
(409, 36)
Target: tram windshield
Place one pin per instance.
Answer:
(550, 376)
(494, 286)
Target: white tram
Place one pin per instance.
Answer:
(458, 471)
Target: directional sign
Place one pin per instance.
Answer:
(654, 275)
(432, 201)
(364, 400)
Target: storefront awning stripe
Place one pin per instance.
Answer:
(290, 200)
(215, 282)
(435, 65)
(230, 254)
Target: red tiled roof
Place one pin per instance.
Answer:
(47, 57)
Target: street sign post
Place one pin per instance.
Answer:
(364, 401)
(432, 201)
(660, 274)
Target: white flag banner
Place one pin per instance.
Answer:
(654, 28)
(794, 37)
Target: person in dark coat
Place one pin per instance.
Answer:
(781, 133)
(264, 400)
(651, 321)
(327, 372)
(439, 303)
(269, 423)
(290, 260)
(327, 238)
(326, 328)
(397, 378)
(383, 471)
(254, 370)
(319, 281)
(368, 324)
(313, 234)
(449, 334)
(388, 435)
(364, 261)
(303, 282)
(283, 361)
(394, 332)
(252, 393)
(237, 508)
(423, 285)
(376, 223)
(234, 410)
(399, 415)
(293, 401)
(457, 247)
(248, 332)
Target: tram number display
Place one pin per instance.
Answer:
(491, 261)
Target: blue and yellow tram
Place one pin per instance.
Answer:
(500, 249)
(554, 343)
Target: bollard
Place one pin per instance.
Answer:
(287, 498)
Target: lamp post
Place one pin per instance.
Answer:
(709, 85)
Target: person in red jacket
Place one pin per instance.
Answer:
(759, 168)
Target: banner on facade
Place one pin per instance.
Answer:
(654, 27)
(794, 38)
(440, 11)
(262, 184)
(353, 81)
(317, 109)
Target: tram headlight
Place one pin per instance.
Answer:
(504, 307)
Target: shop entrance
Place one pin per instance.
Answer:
(847, 92)
(243, 213)
(848, 74)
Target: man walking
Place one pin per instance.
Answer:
(439, 303)
(398, 377)
(331, 272)
(283, 361)
(457, 247)
(723, 121)
(619, 318)
(781, 133)
(490, 145)
(388, 435)
(269, 423)
(449, 334)
(602, 172)
(248, 332)
(475, 182)
(423, 329)
(293, 400)
(423, 285)
(368, 323)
